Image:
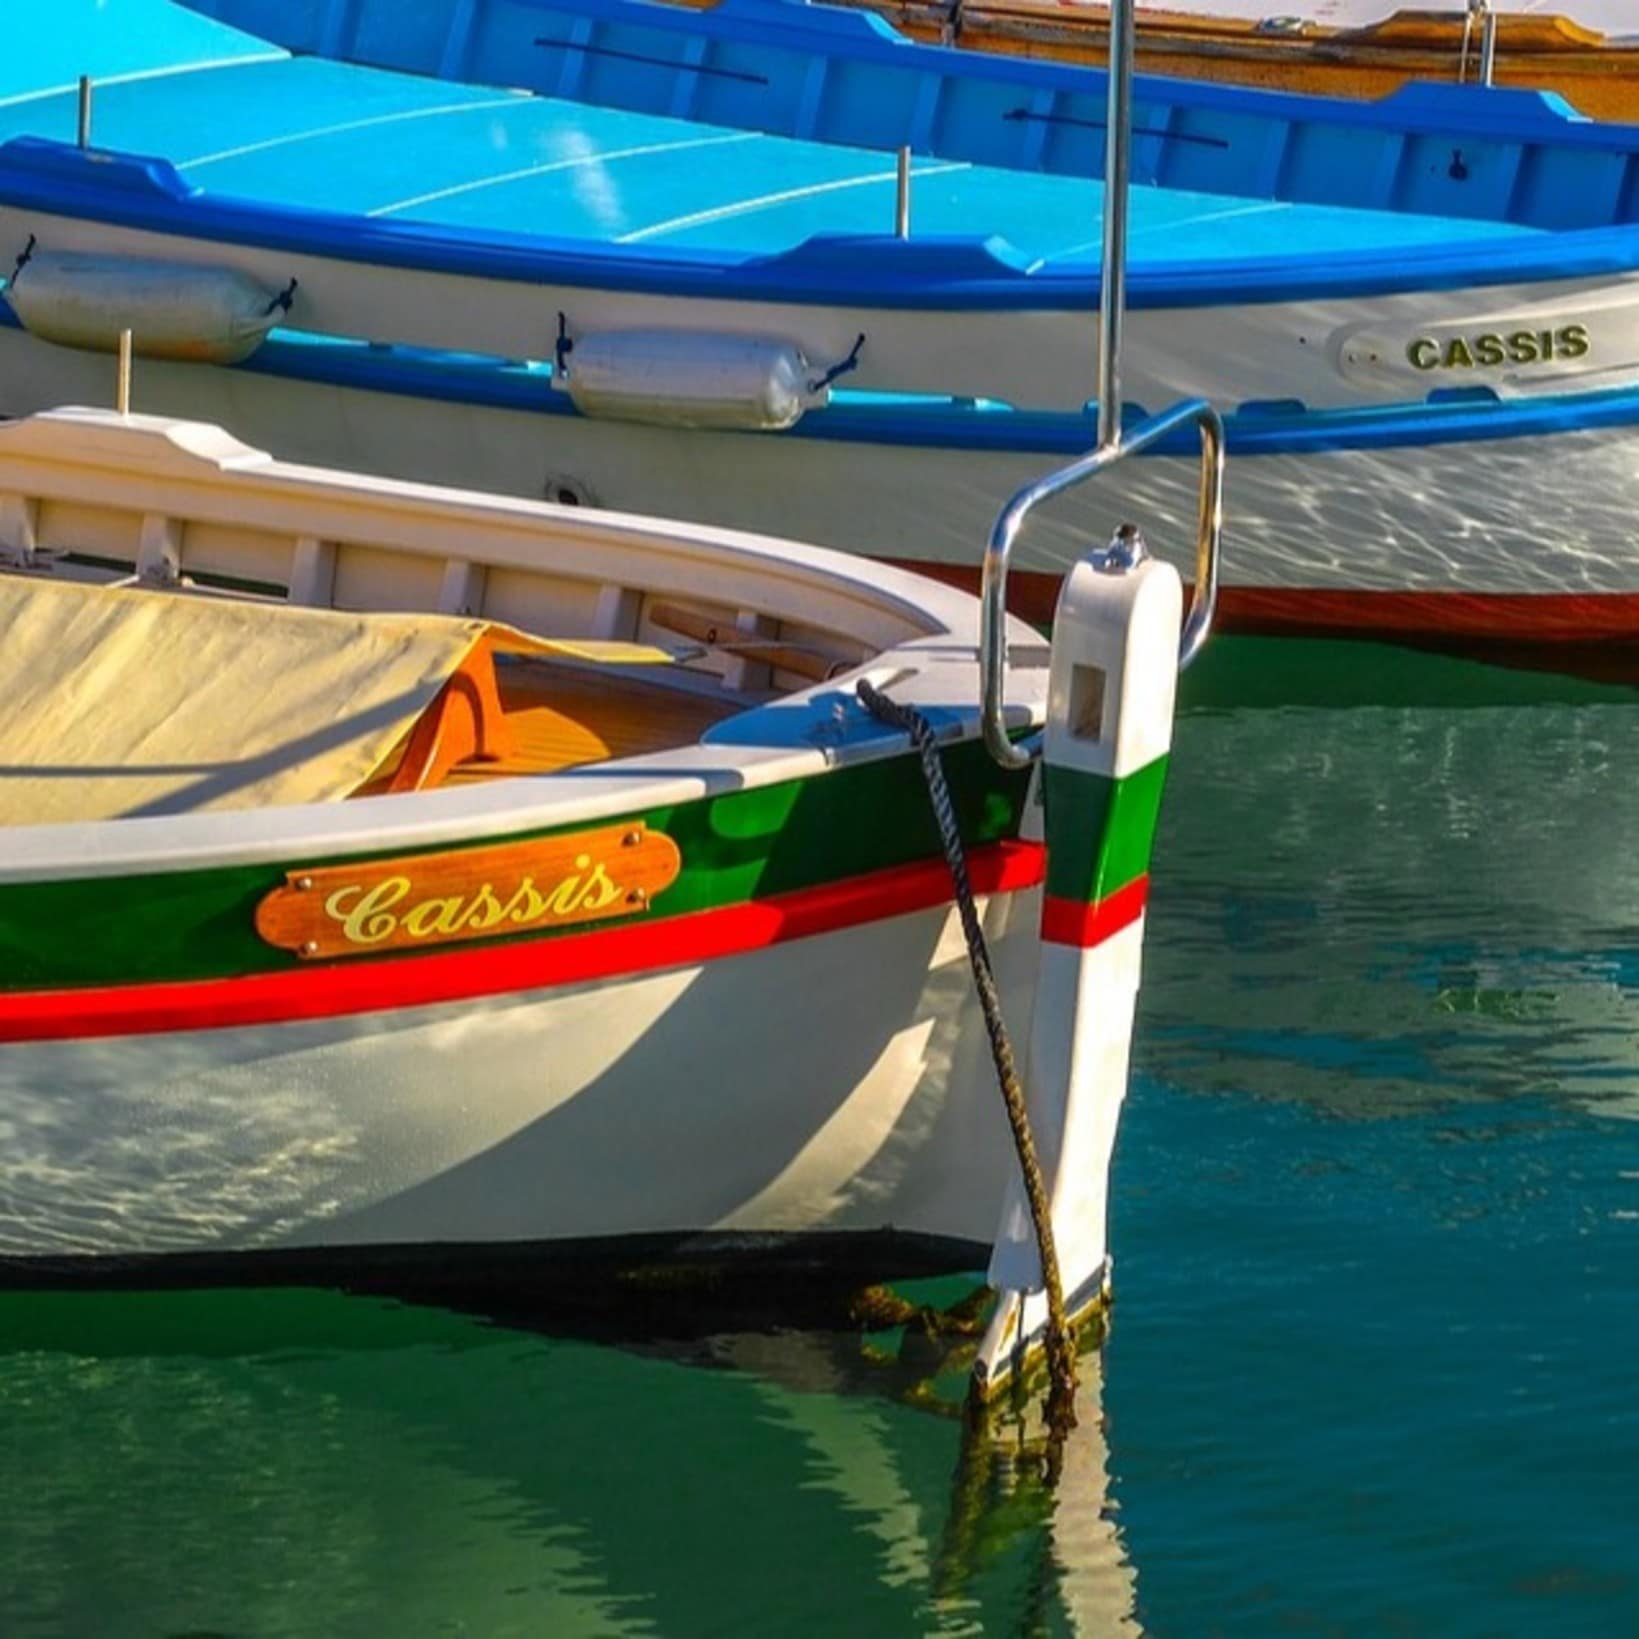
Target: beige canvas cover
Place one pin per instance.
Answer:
(117, 701)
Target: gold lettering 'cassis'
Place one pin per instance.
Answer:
(1490, 349)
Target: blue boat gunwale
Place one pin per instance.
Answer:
(949, 273)
(796, 26)
(886, 419)
(842, 78)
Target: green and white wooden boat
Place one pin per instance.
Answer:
(393, 872)
(399, 874)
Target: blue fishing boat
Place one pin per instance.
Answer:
(621, 254)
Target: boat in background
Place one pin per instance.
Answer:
(1432, 380)
(1334, 50)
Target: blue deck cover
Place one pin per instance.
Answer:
(48, 44)
(240, 119)
(463, 165)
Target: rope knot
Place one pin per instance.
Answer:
(1059, 1341)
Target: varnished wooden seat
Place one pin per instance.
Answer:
(521, 715)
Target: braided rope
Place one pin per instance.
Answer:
(1059, 1341)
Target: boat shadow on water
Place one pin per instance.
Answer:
(413, 1470)
(1375, 908)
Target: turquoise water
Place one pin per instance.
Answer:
(1372, 1361)
(1376, 1202)
(244, 121)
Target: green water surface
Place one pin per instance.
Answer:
(1373, 1363)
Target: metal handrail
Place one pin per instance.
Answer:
(993, 587)
(1479, 11)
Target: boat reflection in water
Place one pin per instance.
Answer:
(1375, 907)
(311, 1462)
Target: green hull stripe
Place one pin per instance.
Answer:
(741, 846)
(1108, 830)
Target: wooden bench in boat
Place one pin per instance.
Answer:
(127, 700)
(503, 713)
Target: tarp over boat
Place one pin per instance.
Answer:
(123, 702)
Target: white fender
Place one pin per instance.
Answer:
(683, 378)
(1113, 678)
(174, 310)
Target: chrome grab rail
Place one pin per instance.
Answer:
(1479, 11)
(993, 586)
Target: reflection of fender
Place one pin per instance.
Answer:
(686, 378)
(174, 310)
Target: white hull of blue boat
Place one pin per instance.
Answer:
(1422, 317)
(1515, 338)
(1540, 525)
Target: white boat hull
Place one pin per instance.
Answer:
(1403, 540)
(836, 1083)
(1327, 350)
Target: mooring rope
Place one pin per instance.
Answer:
(1059, 1341)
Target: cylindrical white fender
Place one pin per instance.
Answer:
(681, 378)
(1111, 691)
(174, 310)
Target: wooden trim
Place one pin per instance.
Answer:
(804, 662)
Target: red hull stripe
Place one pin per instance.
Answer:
(1568, 621)
(1069, 922)
(337, 989)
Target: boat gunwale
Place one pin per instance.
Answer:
(1255, 432)
(802, 734)
(849, 31)
(944, 272)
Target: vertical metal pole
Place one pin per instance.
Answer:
(85, 110)
(1488, 48)
(902, 205)
(1112, 302)
(122, 381)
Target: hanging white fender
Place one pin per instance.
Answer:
(684, 378)
(174, 310)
